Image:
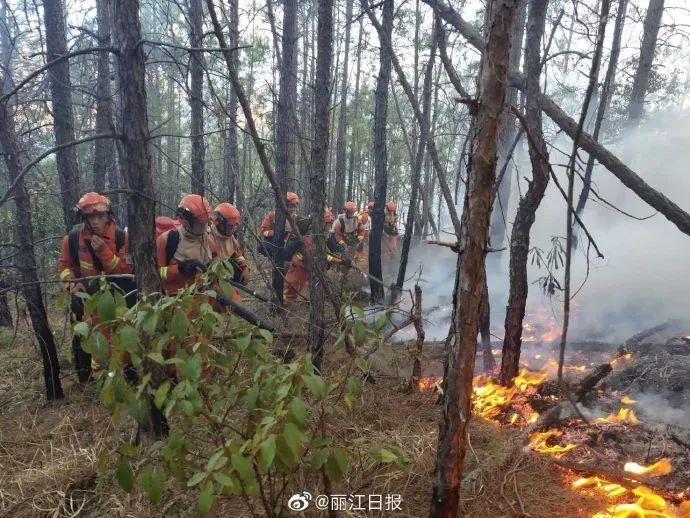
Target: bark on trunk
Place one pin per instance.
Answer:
(627, 176)
(527, 208)
(355, 112)
(419, 158)
(284, 125)
(501, 205)
(471, 276)
(380, 148)
(340, 151)
(15, 161)
(319, 158)
(196, 96)
(604, 101)
(104, 165)
(652, 22)
(61, 96)
(231, 143)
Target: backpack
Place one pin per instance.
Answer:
(163, 224)
(128, 286)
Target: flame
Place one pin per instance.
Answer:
(663, 467)
(624, 415)
(490, 399)
(539, 440)
(429, 383)
(627, 401)
(626, 356)
(609, 489)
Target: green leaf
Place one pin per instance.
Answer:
(243, 466)
(243, 342)
(81, 329)
(106, 307)
(124, 474)
(359, 332)
(161, 394)
(293, 439)
(217, 460)
(266, 335)
(315, 384)
(99, 346)
(206, 498)
(224, 480)
(150, 322)
(336, 464)
(157, 357)
(151, 482)
(179, 325)
(267, 452)
(318, 459)
(382, 455)
(251, 397)
(192, 368)
(196, 478)
(298, 412)
(129, 338)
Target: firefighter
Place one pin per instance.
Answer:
(226, 218)
(267, 246)
(347, 230)
(184, 252)
(299, 273)
(97, 245)
(390, 231)
(363, 256)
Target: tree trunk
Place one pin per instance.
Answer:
(380, 149)
(499, 214)
(61, 96)
(284, 125)
(419, 158)
(527, 208)
(196, 95)
(319, 157)
(5, 313)
(471, 276)
(652, 22)
(15, 161)
(306, 119)
(231, 144)
(340, 152)
(604, 101)
(104, 164)
(627, 176)
(172, 171)
(351, 194)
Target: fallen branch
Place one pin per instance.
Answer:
(590, 381)
(454, 246)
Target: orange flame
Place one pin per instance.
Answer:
(624, 415)
(663, 467)
(490, 398)
(627, 401)
(538, 442)
(429, 383)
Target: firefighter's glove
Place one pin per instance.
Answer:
(191, 267)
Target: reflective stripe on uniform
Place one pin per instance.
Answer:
(66, 273)
(114, 262)
(240, 259)
(267, 233)
(164, 272)
(85, 265)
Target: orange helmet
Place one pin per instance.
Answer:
(363, 218)
(194, 207)
(292, 198)
(350, 206)
(391, 207)
(92, 203)
(328, 216)
(227, 212)
(370, 207)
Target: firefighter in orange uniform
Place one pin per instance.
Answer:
(299, 273)
(95, 246)
(363, 256)
(184, 252)
(390, 231)
(347, 230)
(226, 218)
(267, 229)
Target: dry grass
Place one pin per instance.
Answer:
(48, 454)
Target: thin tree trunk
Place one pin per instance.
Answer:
(170, 145)
(196, 96)
(61, 95)
(471, 276)
(354, 141)
(340, 153)
(231, 143)
(527, 208)
(604, 102)
(284, 125)
(319, 157)
(627, 176)
(419, 158)
(380, 148)
(508, 131)
(652, 22)
(305, 109)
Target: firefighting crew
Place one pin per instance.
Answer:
(299, 273)
(93, 247)
(348, 231)
(267, 246)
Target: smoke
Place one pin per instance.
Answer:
(659, 407)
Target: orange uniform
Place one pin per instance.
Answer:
(299, 273)
(202, 248)
(348, 230)
(90, 262)
(268, 225)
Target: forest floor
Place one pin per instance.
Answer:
(49, 452)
